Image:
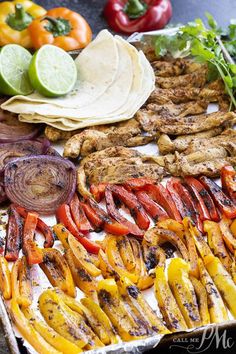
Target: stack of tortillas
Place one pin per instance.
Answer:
(114, 81)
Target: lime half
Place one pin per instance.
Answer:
(14, 65)
(52, 71)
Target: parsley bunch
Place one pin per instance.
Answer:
(203, 44)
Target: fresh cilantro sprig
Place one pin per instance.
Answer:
(203, 44)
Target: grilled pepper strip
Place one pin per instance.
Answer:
(228, 237)
(137, 184)
(107, 270)
(79, 216)
(135, 208)
(21, 283)
(153, 256)
(64, 216)
(15, 19)
(137, 16)
(57, 271)
(223, 202)
(189, 241)
(217, 310)
(41, 227)
(5, 279)
(167, 304)
(114, 213)
(216, 242)
(33, 253)
(60, 27)
(28, 331)
(126, 252)
(152, 208)
(200, 243)
(98, 191)
(201, 294)
(58, 342)
(228, 181)
(160, 195)
(183, 290)
(223, 282)
(172, 225)
(14, 235)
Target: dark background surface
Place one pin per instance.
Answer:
(183, 11)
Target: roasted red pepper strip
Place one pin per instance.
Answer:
(41, 226)
(113, 212)
(228, 181)
(98, 191)
(156, 212)
(108, 224)
(137, 184)
(33, 253)
(64, 216)
(160, 195)
(137, 16)
(135, 208)
(190, 183)
(223, 202)
(79, 216)
(14, 235)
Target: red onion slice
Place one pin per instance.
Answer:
(3, 196)
(40, 183)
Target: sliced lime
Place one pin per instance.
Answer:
(14, 65)
(52, 71)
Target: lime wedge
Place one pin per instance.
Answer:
(52, 71)
(14, 65)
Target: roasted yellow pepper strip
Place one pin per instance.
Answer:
(233, 227)
(103, 319)
(216, 307)
(223, 282)
(15, 17)
(126, 252)
(172, 225)
(189, 241)
(228, 237)
(201, 244)
(82, 256)
(52, 337)
(115, 309)
(66, 322)
(183, 290)
(21, 282)
(167, 303)
(72, 303)
(106, 268)
(216, 243)
(57, 271)
(62, 234)
(201, 294)
(82, 278)
(114, 258)
(28, 331)
(153, 256)
(5, 279)
(130, 291)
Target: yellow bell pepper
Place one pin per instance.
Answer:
(107, 270)
(172, 225)
(126, 252)
(228, 237)
(21, 282)
(200, 243)
(167, 303)
(183, 290)
(5, 279)
(233, 227)
(223, 282)
(189, 240)
(15, 17)
(201, 294)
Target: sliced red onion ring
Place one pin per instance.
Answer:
(40, 183)
(3, 196)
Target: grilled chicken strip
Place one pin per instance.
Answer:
(174, 68)
(190, 124)
(194, 79)
(127, 133)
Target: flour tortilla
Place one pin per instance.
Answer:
(97, 67)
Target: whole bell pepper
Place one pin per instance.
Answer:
(15, 18)
(61, 27)
(136, 15)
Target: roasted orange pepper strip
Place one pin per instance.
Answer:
(33, 253)
(5, 279)
(21, 283)
(193, 256)
(202, 300)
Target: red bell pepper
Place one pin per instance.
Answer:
(131, 202)
(14, 235)
(33, 253)
(108, 224)
(79, 216)
(136, 15)
(226, 206)
(114, 213)
(161, 195)
(156, 212)
(98, 191)
(41, 227)
(228, 181)
(190, 183)
(64, 216)
(137, 184)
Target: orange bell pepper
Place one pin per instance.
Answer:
(21, 283)
(5, 279)
(61, 27)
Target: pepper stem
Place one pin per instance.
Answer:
(57, 26)
(135, 8)
(20, 19)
